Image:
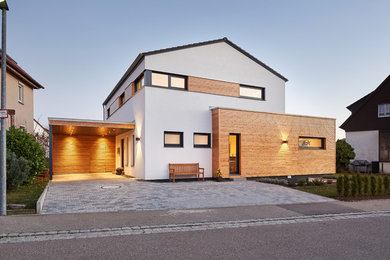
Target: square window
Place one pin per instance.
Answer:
(173, 139)
(202, 140)
(178, 82)
(160, 80)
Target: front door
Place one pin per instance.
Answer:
(234, 156)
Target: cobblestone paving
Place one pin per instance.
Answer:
(138, 230)
(89, 196)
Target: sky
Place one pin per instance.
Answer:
(332, 52)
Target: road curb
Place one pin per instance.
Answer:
(42, 199)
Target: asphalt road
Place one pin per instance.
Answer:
(363, 238)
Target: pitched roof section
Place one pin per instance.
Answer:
(357, 106)
(14, 68)
(143, 54)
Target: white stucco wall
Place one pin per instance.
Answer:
(220, 61)
(137, 71)
(365, 144)
(188, 112)
(134, 111)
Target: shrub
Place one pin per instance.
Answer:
(330, 176)
(17, 170)
(354, 185)
(380, 185)
(301, 182)
(344, 154)
(347, 185)
(373, 185)
(24, 145)
(318, 182)
(359, 183)
(365, 185)
(274, 181)
(386, 184)
(329, 181)
(340, 185)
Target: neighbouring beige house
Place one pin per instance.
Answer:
(20, 96)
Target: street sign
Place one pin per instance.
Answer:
(3, 113)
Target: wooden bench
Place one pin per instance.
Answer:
(184, 169)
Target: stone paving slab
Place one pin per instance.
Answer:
(89, 196)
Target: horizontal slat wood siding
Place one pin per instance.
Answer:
(73, 154)
(261, 150)
(213, 87)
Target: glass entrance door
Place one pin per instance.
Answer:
(234, 149)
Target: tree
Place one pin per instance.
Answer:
(24, 145)
(344, 154)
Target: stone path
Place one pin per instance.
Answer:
(107, 193)
(186, 227)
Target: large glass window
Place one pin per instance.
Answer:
(168, 81)
(202, 140)
(173, 139)
(384, 110)
(252, 92)
(384, 146)
(314, 143)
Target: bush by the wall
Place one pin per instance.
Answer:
(365, 185)
(17, 170)
(373, 185)
(386, 184)
(359, 183)
(273, 181)
(347, 185)
(24, 145)
(340, 185)
(354, 185)
(301, 182)
(344, 154)
(380, 185)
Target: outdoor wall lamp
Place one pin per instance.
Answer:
(284, 141)
(138, 139)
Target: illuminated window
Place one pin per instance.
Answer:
(384, 110)
(20, 92)
(252, 92)
(173, 139)
(168, 81)
(139, 84)
(202, 140)
(311, 143)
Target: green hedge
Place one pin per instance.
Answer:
(359, 185)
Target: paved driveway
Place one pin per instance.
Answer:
(72, 193)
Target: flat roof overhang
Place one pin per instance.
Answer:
(71, 126)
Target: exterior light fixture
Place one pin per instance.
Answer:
(284, 141)
(138, 139)
(3, 5)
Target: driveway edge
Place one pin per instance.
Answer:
(42, 199)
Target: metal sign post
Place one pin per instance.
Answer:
(3, 155)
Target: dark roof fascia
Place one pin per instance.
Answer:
(192, 45)
(364, 100)
(124, 77)
(356, 105)
(18, 71)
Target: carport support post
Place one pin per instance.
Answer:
(51, 152)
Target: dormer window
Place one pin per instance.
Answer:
(384, 110)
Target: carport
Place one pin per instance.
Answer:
(84, 146)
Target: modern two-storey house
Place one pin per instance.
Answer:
(210, 103)
(368, 127)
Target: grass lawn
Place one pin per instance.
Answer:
(27, 194)
(328, 190)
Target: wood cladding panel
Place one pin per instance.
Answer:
(213, 87)
(73, 154)
(261, 150)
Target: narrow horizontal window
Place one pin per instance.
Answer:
(384, 110)
(202, 140)
(173, 139)
(313, 143)
(252, 92)
(178, 82)
(159, 79)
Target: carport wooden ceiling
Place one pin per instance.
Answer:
(88, 127)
